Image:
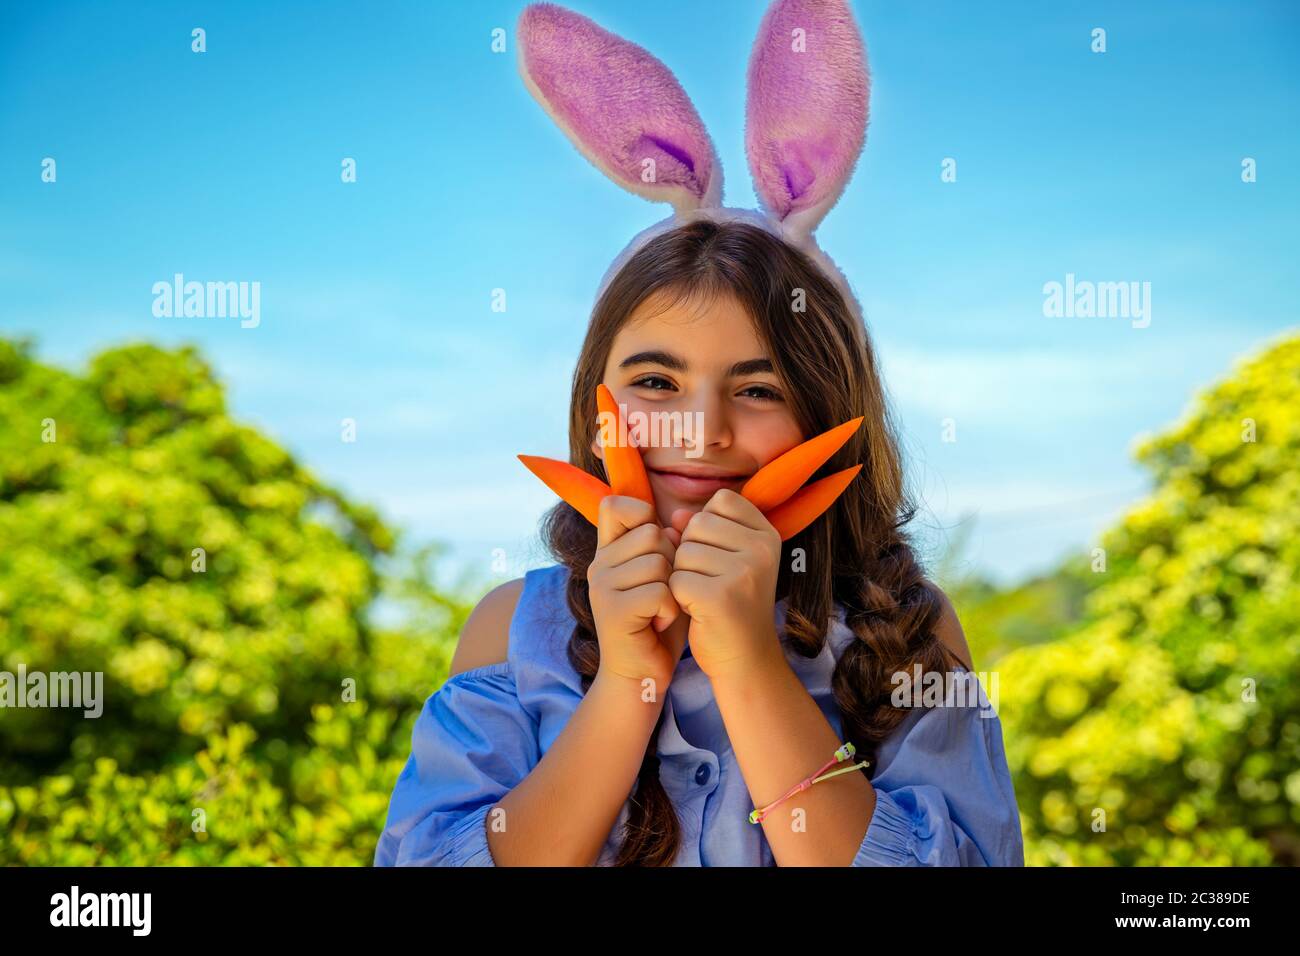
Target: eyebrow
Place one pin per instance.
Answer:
(678, 364)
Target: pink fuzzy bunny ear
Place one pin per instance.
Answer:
(622, 108)
(806, 116)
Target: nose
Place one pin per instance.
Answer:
(710, 425)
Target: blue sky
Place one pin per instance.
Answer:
(376, 295)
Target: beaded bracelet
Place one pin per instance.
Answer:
(843, 753)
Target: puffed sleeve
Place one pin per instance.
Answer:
(943, 793)
(472, 743)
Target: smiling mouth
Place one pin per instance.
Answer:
(697, 486)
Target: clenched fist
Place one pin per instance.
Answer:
(631, 602)
(724, 577)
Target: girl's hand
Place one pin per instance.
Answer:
(630, 600)
(724, 577)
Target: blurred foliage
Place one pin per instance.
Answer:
(1037, 611)
(998, 619)
(1171, 711)
(224, 670)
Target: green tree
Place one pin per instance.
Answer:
(225, 594)
(1172, 715)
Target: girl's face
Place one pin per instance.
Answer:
(700, 397)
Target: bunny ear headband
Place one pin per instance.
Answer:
(805, 125)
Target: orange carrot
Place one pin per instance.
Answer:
(804, 508)
(781, 477)
(623, 464)
(571, 483)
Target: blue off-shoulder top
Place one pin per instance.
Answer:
(943, 791)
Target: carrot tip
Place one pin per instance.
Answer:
(810, 503)
(623, 463)
(579, 489)
(780, 478)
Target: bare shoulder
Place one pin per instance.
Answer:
(485, 637)
(949, 629)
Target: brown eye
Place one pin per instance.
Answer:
(646, 383)
(762, 392)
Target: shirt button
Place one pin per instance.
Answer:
(702, 774)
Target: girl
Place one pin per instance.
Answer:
(654, 697)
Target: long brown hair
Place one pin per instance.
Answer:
(856, 554)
